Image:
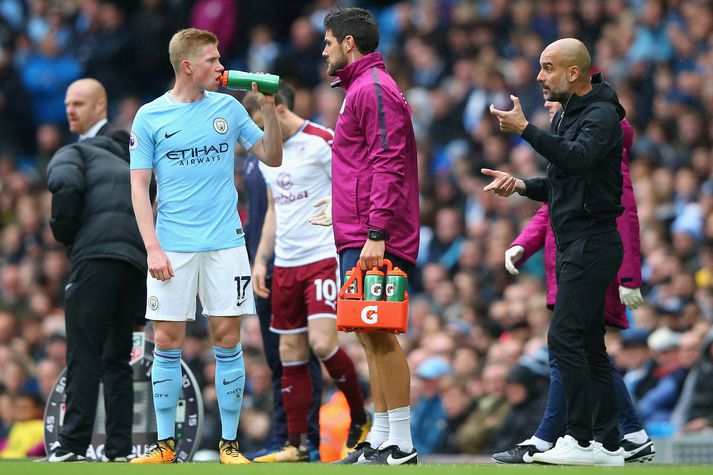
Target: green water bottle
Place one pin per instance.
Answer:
(396, 285)
(266, 83)
(374, 285)
(352, 289)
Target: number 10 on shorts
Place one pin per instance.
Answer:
(326, 290)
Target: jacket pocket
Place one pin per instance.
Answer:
(585, 204)
(356, 199)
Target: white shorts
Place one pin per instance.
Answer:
(222, 280)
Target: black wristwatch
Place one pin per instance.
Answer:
(376, 235)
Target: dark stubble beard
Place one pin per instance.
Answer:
(335, 66)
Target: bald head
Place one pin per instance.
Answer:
(565, 70)
(86, 104)
(571, 52)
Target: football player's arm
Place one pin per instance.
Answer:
(269, 148)
(265, 249)
(158, 263)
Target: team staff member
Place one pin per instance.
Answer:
(187, 136)
(304, 290)
(106, 293)
(374, 209)
(623, 292)
(583, 192)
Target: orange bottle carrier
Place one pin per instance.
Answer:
(354, 314)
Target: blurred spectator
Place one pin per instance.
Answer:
(302, 61)
(219, 16)
(48, 372)
(444, 248)
(694, 409)
(46, 73)
(476, 432)
(16, 377)
(428, 418)
(6, 414)
(657, 404)
(152, 26)
(263, 51)
(457, 405)
(526, 395)
(15, 109)
(27, 431)
(106, 51)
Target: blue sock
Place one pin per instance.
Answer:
(229, 385)
(166, 384)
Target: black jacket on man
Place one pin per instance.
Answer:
(106, 293)
(91, 202)
(584, 180)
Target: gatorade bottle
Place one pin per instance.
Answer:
(396, 285)
(374, 285)
(266, 83)
(352, 289)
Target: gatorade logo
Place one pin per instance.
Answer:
(369, 314)
(375, 289)
(389, 290)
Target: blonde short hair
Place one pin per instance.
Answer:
(186, 43)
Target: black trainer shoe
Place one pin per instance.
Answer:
(61, 455)
(518, 454)
(391, 455)
(640, 453)
(362, 451)
(358, 432)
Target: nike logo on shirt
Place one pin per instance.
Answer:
(161, 381)
(168, 136)
(226, 382)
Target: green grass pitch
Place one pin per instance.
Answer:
(30, 468)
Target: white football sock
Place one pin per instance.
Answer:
(400, 429)
(379, 432)
(542, 445)
(638, 437)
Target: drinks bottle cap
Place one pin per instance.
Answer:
(224, 78)
(397, 271)
(375, 271)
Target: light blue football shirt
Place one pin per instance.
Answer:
(190, 147)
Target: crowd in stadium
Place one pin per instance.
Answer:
(477, 337)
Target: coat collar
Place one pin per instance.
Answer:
(348, 74)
